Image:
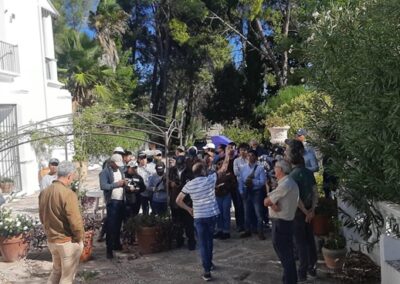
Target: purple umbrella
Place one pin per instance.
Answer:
(220, 139)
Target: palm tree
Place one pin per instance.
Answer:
(110, 22)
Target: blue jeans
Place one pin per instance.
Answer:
(224, 219)
(282, 240)
(115, 215)
(205, 232)
(253, 202)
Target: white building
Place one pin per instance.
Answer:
(29, 88)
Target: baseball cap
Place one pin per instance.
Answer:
(157, 153)
(117, 159)
(192, 151)
(142, 155)
(181, 148)
(119, 150)
(209, 146)
(54, 161)
(301, 132)
(132, 164)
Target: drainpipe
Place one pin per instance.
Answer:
(42, 58)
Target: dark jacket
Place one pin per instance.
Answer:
(107, 183)
(174, 191)
(137, 181)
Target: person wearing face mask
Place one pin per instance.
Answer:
(157, 185)
(179, 175)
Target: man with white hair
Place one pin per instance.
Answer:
(282, 203)
(63, 224)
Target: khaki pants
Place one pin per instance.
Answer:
(65, 262)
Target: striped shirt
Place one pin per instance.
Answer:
(202, 193)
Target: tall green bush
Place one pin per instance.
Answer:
(355, 58)
(241, 133)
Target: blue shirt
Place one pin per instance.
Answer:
(258, 181)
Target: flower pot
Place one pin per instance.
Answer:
(14, 248)
(87, 246)
(334, 258)
(148, 240)
(278, 134)
(6, 187)
(321, 225)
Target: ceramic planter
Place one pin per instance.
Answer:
(148, 240)
(321, 225)
(6, 187)
(14, 248)
(278, 134)
(334, 258)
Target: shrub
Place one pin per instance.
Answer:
(241, 133)
(355, 59)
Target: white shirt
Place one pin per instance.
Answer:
(286, 196)
(202, 193)
(47, 180)
(118, 192)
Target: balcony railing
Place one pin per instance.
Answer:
(9, 59)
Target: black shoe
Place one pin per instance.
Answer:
(206, 276)
(180, 243)
(218, 235)
(225, 236)
(110, 255)
(246, 234)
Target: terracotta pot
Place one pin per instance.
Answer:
(14, 248)
(6, 187)
(87, 246)
(321, 225)
(334, 258)
(147, 239)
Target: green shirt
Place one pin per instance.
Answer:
(305, 180)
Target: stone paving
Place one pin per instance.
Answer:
(237, 261)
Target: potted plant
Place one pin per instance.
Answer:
(14, 234)
(6, 185)
(278, 128)
(334, 248)
(90, 225)
(325, 210)
(153, 233)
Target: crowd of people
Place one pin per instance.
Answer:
(267, 187)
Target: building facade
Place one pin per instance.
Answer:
(29, 89)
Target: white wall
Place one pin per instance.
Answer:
(35, 98)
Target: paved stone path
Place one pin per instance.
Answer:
(237, 261)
